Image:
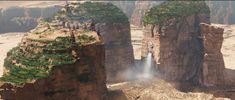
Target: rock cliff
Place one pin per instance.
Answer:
(187, 48)
(118, 50)
(22, 19)
(178, 43)
(222, 12)
(213, 62)
(52, 64)
(114, 28)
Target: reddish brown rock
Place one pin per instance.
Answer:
(178, 49)
(118, 50)
(84, 80)
(213, 63)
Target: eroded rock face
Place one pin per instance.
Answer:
(213, 63)
(118, 50)
(67, 81)
(114, 28)
(55, 63)
(181, 49)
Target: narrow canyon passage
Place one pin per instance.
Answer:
(143, 66)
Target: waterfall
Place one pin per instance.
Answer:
(143, 71)
(147, 73)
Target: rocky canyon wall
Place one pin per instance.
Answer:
(21, 19)
(188, 49)
(179, 53)
(114, 27)
(213, 62)
(119, 51)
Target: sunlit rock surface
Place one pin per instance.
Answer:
(178, 46)
(115, 31)
(51, 63)
(213, 62)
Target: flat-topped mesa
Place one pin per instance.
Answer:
(55, 63)
(114, 28)
(174, 29)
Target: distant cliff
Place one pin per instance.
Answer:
(20, 19)
(222, 12)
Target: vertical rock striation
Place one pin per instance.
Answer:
(113, 25)
(187, 48)
(181, 48)
(213, 63)
(178, 44)
(118, 50)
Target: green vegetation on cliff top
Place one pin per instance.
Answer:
(99, 12)
(174, 9)
(26, 66)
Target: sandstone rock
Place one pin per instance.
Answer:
(213, 63)
(64, 69)
(119, 52)
(179, 52)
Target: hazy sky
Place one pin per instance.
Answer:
(4, 4)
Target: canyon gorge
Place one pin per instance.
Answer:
(118, 50)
